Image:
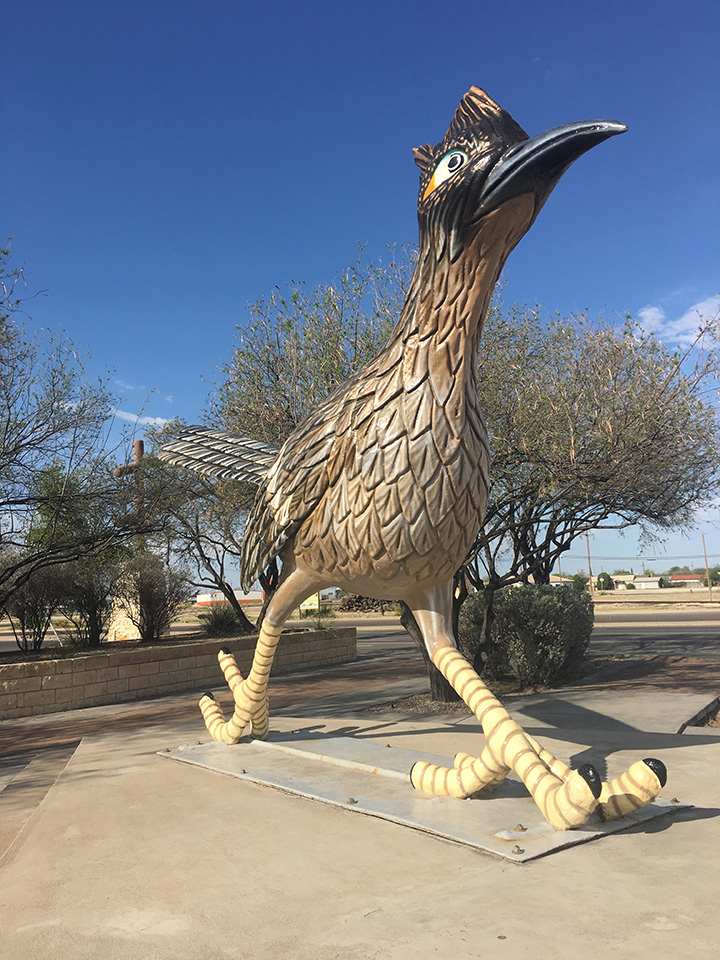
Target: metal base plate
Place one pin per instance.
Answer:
(367, 777)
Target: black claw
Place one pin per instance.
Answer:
(658, 768)
(208, 695)
(224, 651)
(591, 778)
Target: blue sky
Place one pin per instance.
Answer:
(165, 163)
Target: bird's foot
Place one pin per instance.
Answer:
(251, 706)
(636, 788)
(566, 800)
(468, 775)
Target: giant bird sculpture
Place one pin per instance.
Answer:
(383, 489)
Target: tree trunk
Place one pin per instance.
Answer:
(246, 626)
(460, 595)
(481, 653)
(440, 689)
(268, 582)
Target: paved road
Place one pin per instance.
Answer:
(687, 632)
(378, 637)
(633, 630)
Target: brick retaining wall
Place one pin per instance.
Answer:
(114, 676)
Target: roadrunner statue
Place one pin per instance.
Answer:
(383, 489)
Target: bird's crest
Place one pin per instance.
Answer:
(482, 117)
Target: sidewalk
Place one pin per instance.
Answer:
(113, 852)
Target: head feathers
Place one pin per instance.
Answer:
(482, 118)
(477, 109)
(423, 155)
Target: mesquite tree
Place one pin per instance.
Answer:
(58, 497)
(298, 345)
(592, 426)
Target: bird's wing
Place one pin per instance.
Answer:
(219, 455)
(299, 478)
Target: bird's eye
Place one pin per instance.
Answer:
(449, 164)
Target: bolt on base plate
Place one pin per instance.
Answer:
(372, 779)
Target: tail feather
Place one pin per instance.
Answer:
(219, 455)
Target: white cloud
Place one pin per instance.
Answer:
(168, 398)
(680, 330)
(651, 318)
(123, 385)
(142, 420)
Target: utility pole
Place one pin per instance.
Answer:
(133, 470)
(707, 568)
(587, 541)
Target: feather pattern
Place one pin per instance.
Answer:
(219, 455)
(387, 480)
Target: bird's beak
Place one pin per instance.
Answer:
(536, 165)
(430, 187)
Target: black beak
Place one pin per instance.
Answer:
(536, 165)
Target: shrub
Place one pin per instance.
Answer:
(320, 617)
(87, 600)
(151, 594)
(30, 606)
(539, 636)
(605, 582)
(220, 621)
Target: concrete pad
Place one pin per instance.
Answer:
(129, 857)
(612, 711)
(370, 778)
(28, 780)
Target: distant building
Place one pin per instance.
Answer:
(648, 583)
(326, 595)
(686, 580)
(217, 596)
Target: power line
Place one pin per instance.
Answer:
(596, 556)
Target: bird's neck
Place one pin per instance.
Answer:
(441, 322)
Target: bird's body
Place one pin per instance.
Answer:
(382, 489)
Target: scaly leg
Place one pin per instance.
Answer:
(557, 790)
(564, 803)
(250, 695)
(565, 797)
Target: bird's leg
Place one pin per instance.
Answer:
(564, 801)
(250, 695)
(565, 797)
